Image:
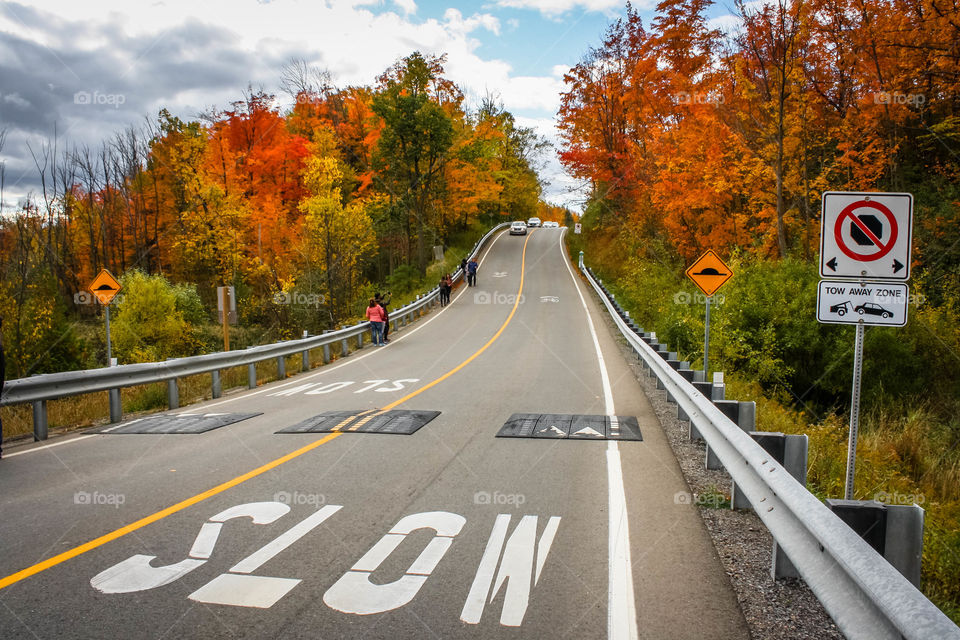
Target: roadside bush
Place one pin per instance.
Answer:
(149, 326)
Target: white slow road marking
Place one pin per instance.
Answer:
(621, 604)
(355, 593)
(298, 380)
(516, 569)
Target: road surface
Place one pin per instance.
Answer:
(243, 532)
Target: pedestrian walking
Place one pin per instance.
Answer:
(384, 301)
(472, 267)
(375, 316)
(463, 269)
(446, 285)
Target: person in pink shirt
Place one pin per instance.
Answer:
(375, 315)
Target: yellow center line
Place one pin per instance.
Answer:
(200, 497)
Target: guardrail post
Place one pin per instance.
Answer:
(894, 531)
(360, 341)
(326, 354)
(251, 376)
(116, 411)
(305, 364)
(173, 394)
(215, 386)
(39, 420)
(281, 368)
(344, 348)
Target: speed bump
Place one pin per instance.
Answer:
(397, 421)
(178, 423)
(570, 426)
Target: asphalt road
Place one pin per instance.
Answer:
(241, 532)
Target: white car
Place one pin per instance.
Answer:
(551, 225)
(518, 228)
(533, 222)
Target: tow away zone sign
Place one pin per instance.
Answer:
(876, 304)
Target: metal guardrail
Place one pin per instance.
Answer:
(39, 389)
(864, 594)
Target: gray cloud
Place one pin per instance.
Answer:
(88, 94)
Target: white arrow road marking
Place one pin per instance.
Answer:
(588, 431)
(555, 430)
(516, 569)
(354, 593)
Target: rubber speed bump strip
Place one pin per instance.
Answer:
(570, 426)
(397, 421)
(178, 423)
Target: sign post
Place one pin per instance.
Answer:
(709, 273)
(865, 237)
(104, 288)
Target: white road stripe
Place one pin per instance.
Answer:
(621, 604)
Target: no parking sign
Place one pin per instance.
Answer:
(866, 235)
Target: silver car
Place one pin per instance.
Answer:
(518, 228)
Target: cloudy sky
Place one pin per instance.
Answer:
(86, 69)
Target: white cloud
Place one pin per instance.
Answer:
(409, 7)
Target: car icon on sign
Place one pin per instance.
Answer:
(872, 309)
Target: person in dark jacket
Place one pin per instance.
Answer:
(384, 301)
(472, 267)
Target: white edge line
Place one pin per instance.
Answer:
(297, 379)
(621, 603)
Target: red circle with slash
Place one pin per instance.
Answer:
(884, 247)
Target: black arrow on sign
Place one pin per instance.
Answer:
(896, 265)
(833, 264)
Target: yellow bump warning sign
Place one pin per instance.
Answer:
(105, 287)
(709, 273)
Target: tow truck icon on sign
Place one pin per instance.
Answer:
(840, 309)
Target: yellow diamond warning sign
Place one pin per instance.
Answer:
(709, 273)
(104, 287)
